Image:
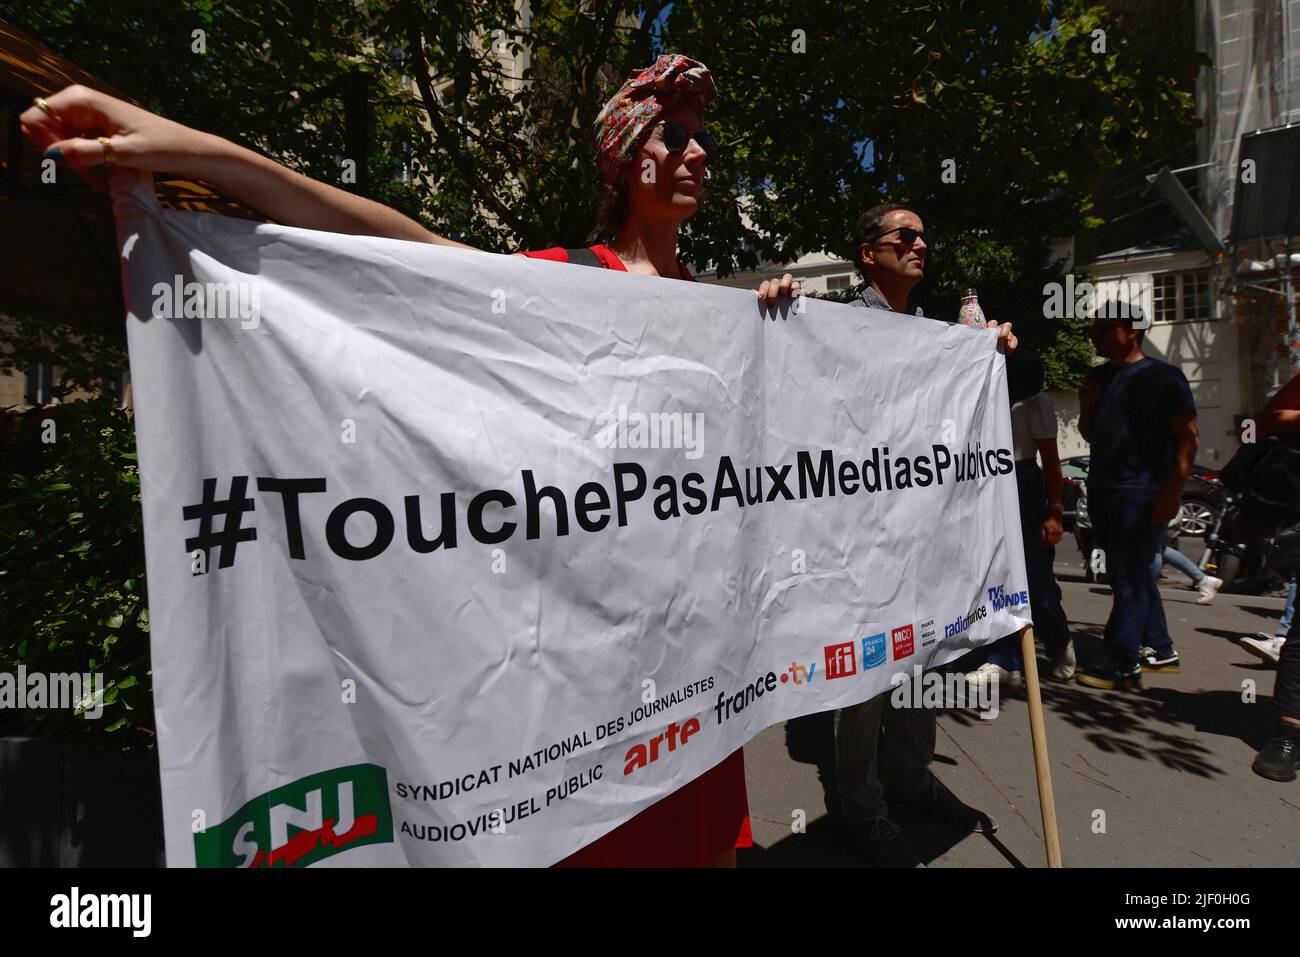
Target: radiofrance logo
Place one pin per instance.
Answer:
(303, 822)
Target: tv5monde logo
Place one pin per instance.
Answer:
(303, 822)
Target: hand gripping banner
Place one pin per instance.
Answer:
(457, 558)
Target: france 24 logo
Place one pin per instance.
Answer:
(873, 651)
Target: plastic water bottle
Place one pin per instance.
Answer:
(970, 313)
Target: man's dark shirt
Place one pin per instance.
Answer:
(1133, 445)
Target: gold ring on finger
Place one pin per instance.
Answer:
(110, 157)
(49, 111)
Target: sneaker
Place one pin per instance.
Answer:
(1065, 664)
(986, 674)
(1278, 760)
(935, 799)
(1266, 647)
(1209, 587)
(882, 841)
(1110, 676)
(1166, 663)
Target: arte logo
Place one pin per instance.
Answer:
(902, 638)
(873, 651)
(303, 822)
(841, 660)
(929, 633)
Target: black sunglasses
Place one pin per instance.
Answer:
(906, 235)
(677, 138)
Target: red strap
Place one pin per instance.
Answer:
(608, 258)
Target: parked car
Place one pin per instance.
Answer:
(1203, 494)
(1074, 472)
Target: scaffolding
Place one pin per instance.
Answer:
(1250, 101)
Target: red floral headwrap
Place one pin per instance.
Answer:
(629, 116)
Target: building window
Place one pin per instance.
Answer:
(1196, 295)
(41, 380)
(1165, 294)
(837, 283)
(1182, 296)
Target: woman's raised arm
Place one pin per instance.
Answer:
(75, 118)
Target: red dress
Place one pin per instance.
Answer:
(697, 822)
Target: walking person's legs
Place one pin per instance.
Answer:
(1157, 650)
(1172, 556)
(1266, 647)
(1050, 624)
(1132, 543)
(1207, 585)
(1284, 625)
(1281, 756)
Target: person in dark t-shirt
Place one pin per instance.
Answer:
(1137, 413)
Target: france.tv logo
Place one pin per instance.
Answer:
(873, 651)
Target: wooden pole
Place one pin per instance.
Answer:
(1042, 762)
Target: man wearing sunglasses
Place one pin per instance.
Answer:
(891, 250)
(883, 753)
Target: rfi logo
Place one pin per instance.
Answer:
(841, 660)
(902, 642)
(873, 651)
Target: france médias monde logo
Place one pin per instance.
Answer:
(302, 822)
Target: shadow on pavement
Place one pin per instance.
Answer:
(1272, 614)
(1145, 724)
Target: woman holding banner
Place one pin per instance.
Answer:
(652, 150)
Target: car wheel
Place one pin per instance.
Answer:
(1195, 516)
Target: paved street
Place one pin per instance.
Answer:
(1168, 766)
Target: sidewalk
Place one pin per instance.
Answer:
(1157, 778)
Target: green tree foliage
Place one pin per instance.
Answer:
(825, 107)
(1000, 124)
(72, 565)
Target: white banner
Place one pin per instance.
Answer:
(458, 558)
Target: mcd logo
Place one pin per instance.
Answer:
(841, 660)
(902, 642)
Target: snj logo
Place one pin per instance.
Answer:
(303, 822)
